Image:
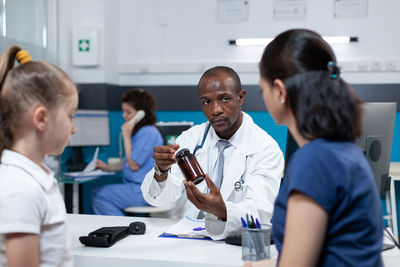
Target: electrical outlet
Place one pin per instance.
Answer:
(390, 65)
(362, 66)
(345, 66)
(376, 66)
(162, 21)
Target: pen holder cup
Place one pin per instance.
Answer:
(255, 244)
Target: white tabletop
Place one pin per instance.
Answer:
(151, 250)
(148, 249)
(394, 169)
(391, 258)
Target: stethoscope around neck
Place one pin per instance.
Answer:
(239, 185)
(203, 140)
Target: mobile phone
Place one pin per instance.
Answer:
(138, 116)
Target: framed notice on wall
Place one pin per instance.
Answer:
(290, 9)
(350, 8)
(231, 11)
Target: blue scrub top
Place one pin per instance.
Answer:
(337, 176)
(143, 143)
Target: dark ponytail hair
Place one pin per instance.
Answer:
(140, 99)
(24, 86)
(324, 105)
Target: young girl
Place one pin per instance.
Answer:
(328, 211)
(140, 138)
(37, 106)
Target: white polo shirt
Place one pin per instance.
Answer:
(30, 202)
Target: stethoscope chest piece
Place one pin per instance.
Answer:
(239, 186)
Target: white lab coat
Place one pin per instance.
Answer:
(255, 157)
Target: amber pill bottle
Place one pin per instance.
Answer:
(189, 165)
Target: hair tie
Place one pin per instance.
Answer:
(23, 56)
(334, 70)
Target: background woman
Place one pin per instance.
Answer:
(139, 138)
(328, 211)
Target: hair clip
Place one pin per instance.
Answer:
(23, 56)
(333, 69)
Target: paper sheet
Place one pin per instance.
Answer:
(94, 173)
(188, 228)
(90, 169)
(92, 164)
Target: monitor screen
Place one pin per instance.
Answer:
(171, 130)
(93, 128)
(376, 140)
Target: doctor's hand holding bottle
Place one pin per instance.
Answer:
(213, 202)
(164, 157)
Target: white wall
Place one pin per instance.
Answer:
(33, 14)
(166, 42)
(32, 26)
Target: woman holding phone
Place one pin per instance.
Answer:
(140, 136)
(327, 212)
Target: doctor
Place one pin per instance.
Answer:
(252, 168)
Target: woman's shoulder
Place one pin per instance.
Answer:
(323, 156)
(148, 131)
(321, 147)
(321, 153)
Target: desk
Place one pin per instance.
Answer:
(72, 192)
(391, 258)
(72, 188)
(151, 250)
(395, 174)
(148, 249)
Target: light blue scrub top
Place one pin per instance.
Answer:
(143, 143)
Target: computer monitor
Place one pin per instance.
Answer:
(376, 140)
(93, 128)
(171, 130)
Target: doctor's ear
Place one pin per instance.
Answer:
(241, 96)
(40, 118)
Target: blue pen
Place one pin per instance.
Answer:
(243, 223)
(258, 224)
(199, 228)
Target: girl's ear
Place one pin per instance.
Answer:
(281, 90)
(40, 118)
